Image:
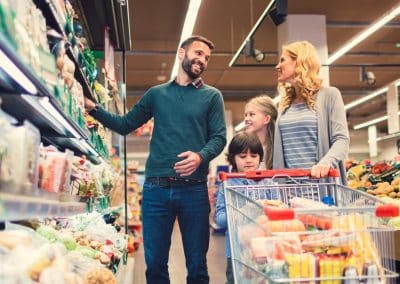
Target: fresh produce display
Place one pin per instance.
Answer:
(45, 38)
(379, 179)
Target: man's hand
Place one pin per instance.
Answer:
(189, 164)
(89, 105)
(320, 171)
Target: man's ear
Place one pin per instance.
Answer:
(181, 53)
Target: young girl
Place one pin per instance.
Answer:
(260, 115)
(244, 154)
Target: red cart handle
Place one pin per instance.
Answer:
(260, 174)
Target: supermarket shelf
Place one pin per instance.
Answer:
(79, 75)
(39, 107)
(53, 19)
(44, 112)
(79, 146)
(17, 207)
(18, 71)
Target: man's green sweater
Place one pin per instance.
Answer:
(186, 118)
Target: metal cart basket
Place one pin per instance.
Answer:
(318, 231)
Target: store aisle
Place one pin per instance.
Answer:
(177, 268)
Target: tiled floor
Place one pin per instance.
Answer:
(177, 269)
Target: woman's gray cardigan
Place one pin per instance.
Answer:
(333, 134)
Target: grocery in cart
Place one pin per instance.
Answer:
(317, 232)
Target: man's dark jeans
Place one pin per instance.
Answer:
(160, 208)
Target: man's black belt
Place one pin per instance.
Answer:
(173, 181)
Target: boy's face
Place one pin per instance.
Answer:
(247, 161)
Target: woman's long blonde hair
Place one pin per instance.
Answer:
(267, 106)
(308, 81)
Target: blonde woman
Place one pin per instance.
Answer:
(311, 129)
(259, 117)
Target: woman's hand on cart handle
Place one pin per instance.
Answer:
(320, 171)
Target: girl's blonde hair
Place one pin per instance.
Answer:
(267, 106)
(306, 76)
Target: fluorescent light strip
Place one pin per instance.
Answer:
(374, 94)
(14, 72)
(240, 126)
(57, 116)
(372, 121)
(247, 39)
(187, 30)
(364, 34)
(366, 98)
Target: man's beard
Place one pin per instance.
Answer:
(187, 66)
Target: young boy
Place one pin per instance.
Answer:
(245, 153)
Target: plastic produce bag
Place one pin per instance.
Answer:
(55, 169)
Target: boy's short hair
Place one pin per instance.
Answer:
(242, 142)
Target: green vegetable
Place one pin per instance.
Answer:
(68, 241)
(48, 233)
(86, 251)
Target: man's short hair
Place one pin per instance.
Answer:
(187, 42)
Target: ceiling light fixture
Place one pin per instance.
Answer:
(372, 121)
(372, 95)
(187, 30)
(367, 76)
(364, 34)
(14, 72)
(250, 51)
(251, 33)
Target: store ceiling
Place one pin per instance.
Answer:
(156, 26)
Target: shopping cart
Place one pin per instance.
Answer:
(318, 232)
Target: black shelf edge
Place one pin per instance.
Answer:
(50, 13)
(79, 147)
(79, 75)
(26, 107)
